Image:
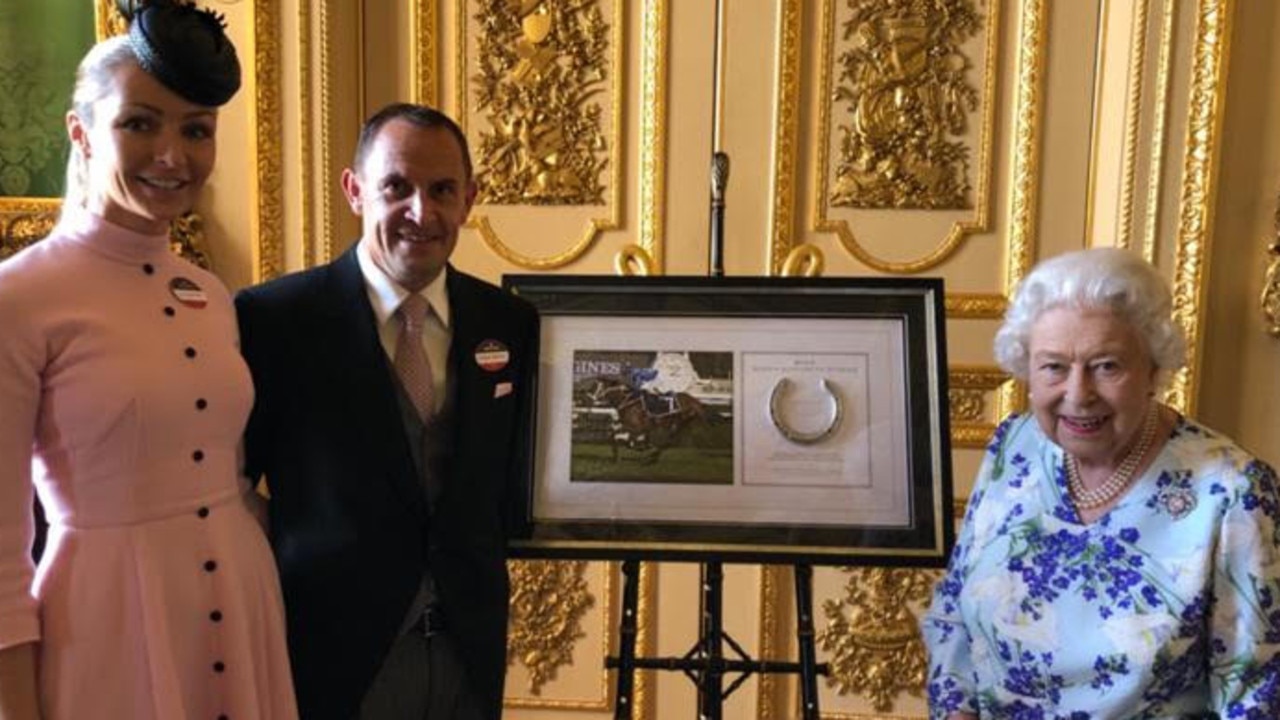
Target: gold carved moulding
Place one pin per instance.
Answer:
(905, 101)
(542, 65)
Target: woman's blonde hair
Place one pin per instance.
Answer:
(95, 78)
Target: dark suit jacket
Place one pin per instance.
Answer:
(348, 516)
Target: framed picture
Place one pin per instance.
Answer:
(739, 419)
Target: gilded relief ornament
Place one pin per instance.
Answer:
(873, 636)
(967, 404)
(542, 65)
(1271, 283)
(24, 221)
(186, 238)
(902, 81)
(548, 601)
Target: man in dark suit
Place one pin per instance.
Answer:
(392, 490)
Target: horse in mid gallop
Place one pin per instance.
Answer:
(648, 422)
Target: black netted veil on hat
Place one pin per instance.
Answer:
(185, 48)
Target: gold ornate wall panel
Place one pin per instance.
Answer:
(323, 251)
(1199, 183)
(426, 67)
(305, 237)
(646, 256)
(1133, 108)
(268, 225)
(541, 94)
(783, 257)
(907, 123)
(1159, 122)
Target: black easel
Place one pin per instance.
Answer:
(705, 663)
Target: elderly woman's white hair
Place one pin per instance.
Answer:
(1098, 278)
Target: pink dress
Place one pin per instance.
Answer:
(122, 401)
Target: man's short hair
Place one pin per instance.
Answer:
(420, 115)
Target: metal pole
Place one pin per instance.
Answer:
(627, 640)
(805, 636)
(710, 687)
(719, 179)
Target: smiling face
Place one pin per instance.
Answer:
(1091, 382)
(148, 151)
(412, 193)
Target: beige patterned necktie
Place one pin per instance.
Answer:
(411, 361)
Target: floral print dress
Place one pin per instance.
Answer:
(1168, 606)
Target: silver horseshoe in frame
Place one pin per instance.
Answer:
(796, 436)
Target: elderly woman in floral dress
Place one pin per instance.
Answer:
(1117, 559)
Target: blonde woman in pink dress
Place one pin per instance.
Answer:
(122, 401)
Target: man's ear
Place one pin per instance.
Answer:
(78, 133)
(472, 190)
(352, 189)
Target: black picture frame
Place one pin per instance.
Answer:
(867, 481)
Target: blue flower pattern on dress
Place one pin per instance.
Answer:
(1168, 606)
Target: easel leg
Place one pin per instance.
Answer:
(710, 697)
(805, 636)
(627, 639)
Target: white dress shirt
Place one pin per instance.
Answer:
(386, 295)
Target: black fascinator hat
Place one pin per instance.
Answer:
(184, 47)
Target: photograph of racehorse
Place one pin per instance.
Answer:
(652, 416)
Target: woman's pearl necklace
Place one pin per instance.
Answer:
(1087, 499)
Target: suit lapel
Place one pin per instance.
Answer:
(367, 381)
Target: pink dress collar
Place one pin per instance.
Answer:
(110, 240)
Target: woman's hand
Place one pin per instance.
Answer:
(18, 694)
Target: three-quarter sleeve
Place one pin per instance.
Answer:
(22, 357)
(1244, 652)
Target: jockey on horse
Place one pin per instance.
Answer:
(656, 403)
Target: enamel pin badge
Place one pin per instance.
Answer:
(188, 293)
(492, 355)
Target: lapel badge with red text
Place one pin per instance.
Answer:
(188, 293)
(492, 355)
